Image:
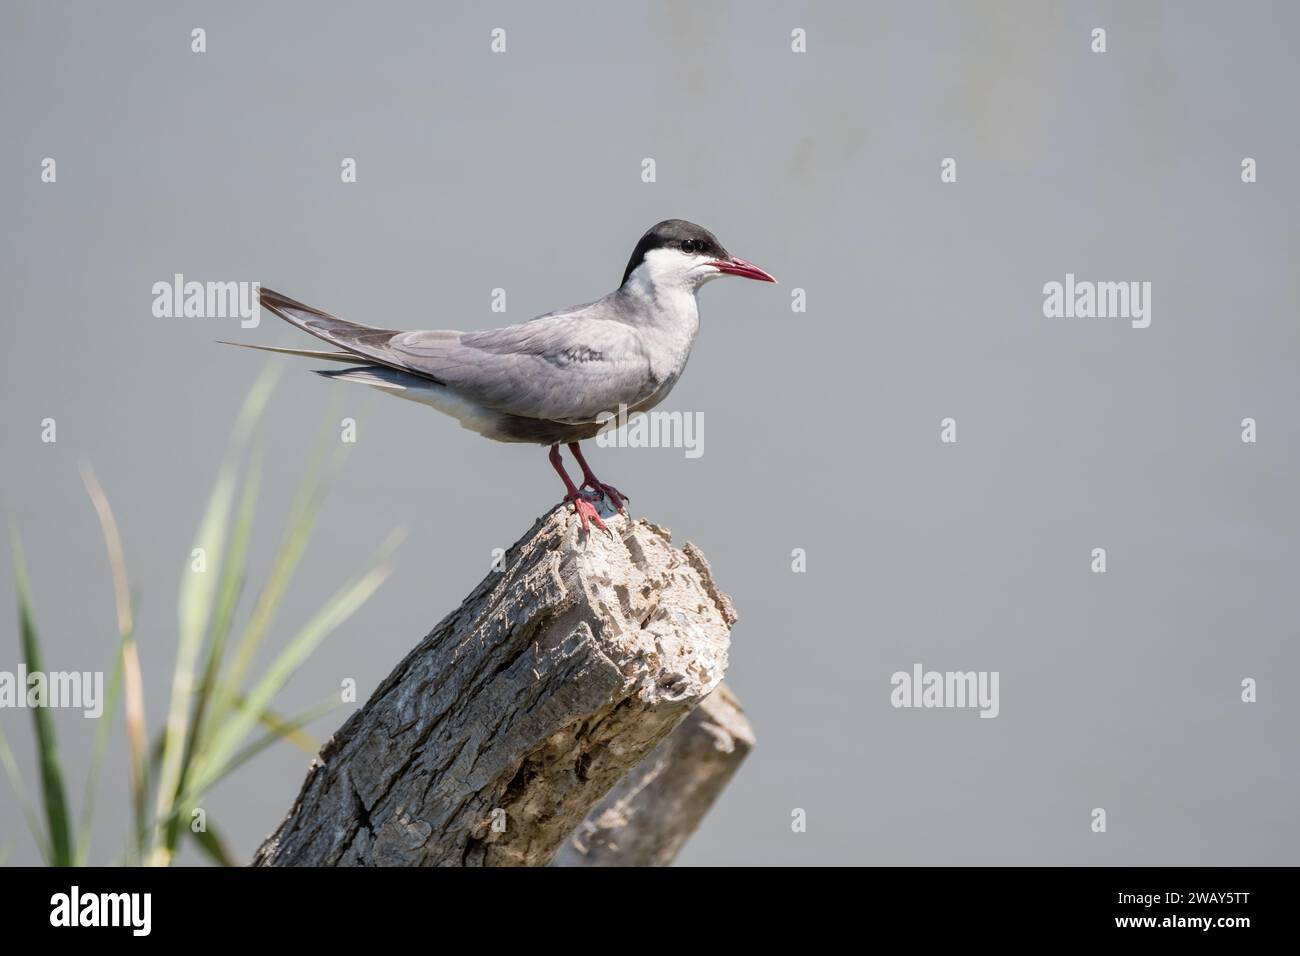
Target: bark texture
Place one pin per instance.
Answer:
(649, 815)
(510, 721)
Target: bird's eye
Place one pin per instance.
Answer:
(690, 246)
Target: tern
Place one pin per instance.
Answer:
(553, 380)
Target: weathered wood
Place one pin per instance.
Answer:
(650, 814)
(509, 722)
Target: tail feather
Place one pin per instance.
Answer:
(376, 376)
(306, 353)
(363, 340)
(361, 344)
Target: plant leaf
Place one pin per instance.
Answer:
(125, 628)
(196, 596)
(20, 793)
(337, 610)
(214, 847)
(286, 729)
(84, 830)
(265, 740)
(232, 580)
(253, 749)
(136, 739)
(52, 792)
(299, 525)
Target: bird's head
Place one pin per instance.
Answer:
(679, 254)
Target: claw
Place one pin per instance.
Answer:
(602, 490)
(586, 511)
(584, 504)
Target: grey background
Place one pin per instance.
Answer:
(822, 429)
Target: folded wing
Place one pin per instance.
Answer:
(567, 367)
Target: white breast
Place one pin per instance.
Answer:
(662, 291)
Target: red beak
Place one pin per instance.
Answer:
(739, 267)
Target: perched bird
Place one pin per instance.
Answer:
(547, 380)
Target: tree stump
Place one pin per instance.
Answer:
(650, 814)
(498, 734)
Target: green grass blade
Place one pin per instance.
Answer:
(125, 629)
(197, 589)
(136, 736)
(85, 828)
(337, 610)
(288, 724)
(232, 580)
(197, 593)
(52, 792)
(286, 729)
(279, 728)
(259, 744)
(214, 847)
(222, 614)
(301, 521)
(20, 794)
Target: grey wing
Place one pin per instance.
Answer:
(566, 367)
(361, 343)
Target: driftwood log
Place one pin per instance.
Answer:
(507, 725)
(649, 815)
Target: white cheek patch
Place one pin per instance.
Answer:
(666, 268)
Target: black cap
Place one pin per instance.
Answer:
(671, 233)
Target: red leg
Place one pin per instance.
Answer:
(584, 508)
(589, 480)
